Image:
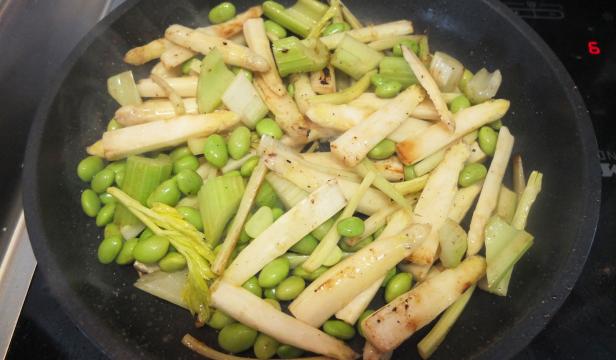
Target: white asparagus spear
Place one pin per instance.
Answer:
(353, 310)
(371, 33)
(145, 53)
(372, 353)
(254, 312)
(233, 27)
(352, 146)
(152, 110)
(160, 70)
(488, 197)
(387, 328)
(176, 55)
(233, 54)
(256, 38)
(324, 81)
(184, 86)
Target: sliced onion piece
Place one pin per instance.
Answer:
(123, 89)
(446, 71)
(483, 86)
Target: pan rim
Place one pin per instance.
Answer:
(525, 329)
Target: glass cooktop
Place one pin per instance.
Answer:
(582, 34)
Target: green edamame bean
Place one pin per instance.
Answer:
(377, 80)
(222, 12)
(108, 249)
(274, 28)
(266, 196)
(146, 234)
(487, 140)
(106, 198)
(233, 173)
(274, 272)
(90, 203)
(238, 143)
(310, 276)
(105, 215)
(215, 151)
(248, 167)
(290, 288)
(192, 216)
(151, 250)
(289, 352)
(269, 127)
(119, 176)
(88, 167)
(274, 303)
(236, 338)
(411, 44)
(125, 256)
(291, 90)
(189, 182)
(390, 274)
(179, 153)
(496, 125)
(111, 230)
(362, 317)
(472, 173)
(172, 262)
(388, 89)
(252, 285)
(113, 124)
(265, 347)
(277, 212)
(409, 172)
(351, 226)
(336, 28)
(167, 193)
(459, 103)
(102, 180)
(398, 285)
(382, 150)
(186, 162)
(339, 329)
(219, 320)
(270, 293)
(306, 245)
(322, 230)
(117, 166)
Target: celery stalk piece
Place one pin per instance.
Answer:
(483, 86)
(337, 286)
(452, 239)
(353, 310)
(424, 49)
(333, 11)
(506, 206)
(313, 10)
(365, 167)
(288, 229)
(163, 285)
(411, 186)
(389, 326)
(242, 98)
(505, 245)
(254, 312)
(355, 58)
(287, 192)
(293, 55)
(123, 89)
(328, 243)
(430, 163)
(219, 199)
(142, 176)
(428, 345)
(280, 15)
(394, 68)
(214, 79)
(519, 180)
(346, 95)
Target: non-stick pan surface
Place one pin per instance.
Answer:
(548, 117)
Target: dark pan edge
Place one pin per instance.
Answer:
(104, 339)
(518, 336)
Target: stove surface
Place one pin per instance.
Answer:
(582, 34)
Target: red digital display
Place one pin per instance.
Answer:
(593, 48)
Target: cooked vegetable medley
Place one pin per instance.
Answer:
(293, 158)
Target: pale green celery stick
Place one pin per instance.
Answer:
(428, 345)
(219, 199)
(395, 68)
(299, 18)
(293, 55)
(411, 186)
(505, 245)
(214, 79)
(328, 243)
(366, 166)
(355, 58)
(506, 206)
(424, 49)
(430, 163)
(334, 10)
(123, 89)
(142, 176)
(347, 95)
(350, 18)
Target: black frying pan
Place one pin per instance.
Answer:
(548, 117)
